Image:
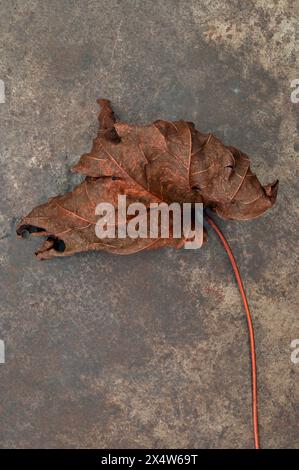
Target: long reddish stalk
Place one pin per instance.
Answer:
(250, 329)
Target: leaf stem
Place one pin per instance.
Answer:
(250, 328)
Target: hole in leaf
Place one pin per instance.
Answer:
(58, 244)
(25, 230)
(25, 234)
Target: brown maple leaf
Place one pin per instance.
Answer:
(166, 161)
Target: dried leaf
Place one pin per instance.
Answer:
(167, 161)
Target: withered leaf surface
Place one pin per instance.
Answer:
(166, 161)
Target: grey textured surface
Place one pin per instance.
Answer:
(149, 350)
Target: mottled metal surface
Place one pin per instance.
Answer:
(149, 350)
